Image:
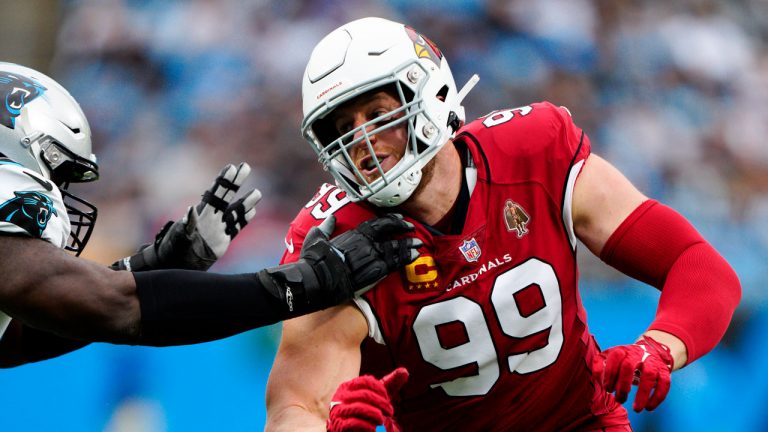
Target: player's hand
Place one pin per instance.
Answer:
(356, 260)
(363, 403)
(332, 271)
(217, 219)
(202, 236)
(646, 363)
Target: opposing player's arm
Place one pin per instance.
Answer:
(22, 344)
(317, 353)
(47, 288)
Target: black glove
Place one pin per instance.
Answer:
(330, 272)
(202, 236)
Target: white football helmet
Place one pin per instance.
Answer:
(368, 54)
(43, 128)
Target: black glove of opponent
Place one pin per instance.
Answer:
(330, 272)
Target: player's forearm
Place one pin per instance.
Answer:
(700, 294)
(184, 307)
(22, 344)
(317, 353)
(50, 289)
(294, 418)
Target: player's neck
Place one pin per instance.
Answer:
(432, 202)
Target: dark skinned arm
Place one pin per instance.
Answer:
(47, 288)
(57, 291)
(72, 298)
(22, 344)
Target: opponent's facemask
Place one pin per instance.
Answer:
(370, 54)
(43, 128)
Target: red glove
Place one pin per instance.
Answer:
(646, 363)
(363, 403)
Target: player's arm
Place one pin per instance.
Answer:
(317, 353)
(22, 344)
(194, 242)
(653, 243)
(79, 299)
(47, 288)
(181, 307)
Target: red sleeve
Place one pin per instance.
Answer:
(700, 290)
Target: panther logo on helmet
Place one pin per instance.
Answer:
(28, 210)
(17, 91)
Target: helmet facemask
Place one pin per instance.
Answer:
(66, 167)
(373, 54)
(334, 151)
(82, 219)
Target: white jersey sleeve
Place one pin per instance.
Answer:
(31, 206)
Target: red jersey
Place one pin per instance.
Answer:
(489, 322)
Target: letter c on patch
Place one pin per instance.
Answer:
(422, 270)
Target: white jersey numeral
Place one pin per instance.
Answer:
(476, 350)
(332, 203)
(480, 348)
(498, 117)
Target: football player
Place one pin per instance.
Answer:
(486, 329)
(59, 302)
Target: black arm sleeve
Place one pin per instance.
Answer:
(181, 307)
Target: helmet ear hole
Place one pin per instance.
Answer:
(442, 94)
(407, 94)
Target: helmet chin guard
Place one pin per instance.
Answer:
(374, 54)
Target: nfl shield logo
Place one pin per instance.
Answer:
(470, 249)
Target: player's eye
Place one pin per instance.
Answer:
(382, 117)
(385, 117)
(343, 127)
